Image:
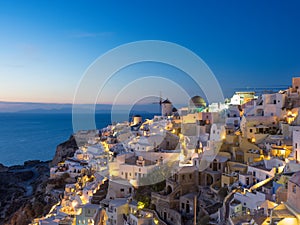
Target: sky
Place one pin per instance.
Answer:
(47, 46)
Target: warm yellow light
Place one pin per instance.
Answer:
(291, 117)
(133, 182)
(140, 205)
(253, 140)
(155, 220)
(74, 203)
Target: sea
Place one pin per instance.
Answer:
(33, 136)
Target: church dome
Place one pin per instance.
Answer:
(167, 101)
(197, 102)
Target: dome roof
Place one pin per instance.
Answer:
(197, 102)
(167, 101)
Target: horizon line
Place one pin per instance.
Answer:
(60, 103)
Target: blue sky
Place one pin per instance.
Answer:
(46, 46)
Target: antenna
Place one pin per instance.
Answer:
(160, 102)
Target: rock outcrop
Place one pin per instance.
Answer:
(65, 150)
(26, 192)
(21, 188)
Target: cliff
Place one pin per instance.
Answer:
(64, 150)
(21, 189)
(26, 192)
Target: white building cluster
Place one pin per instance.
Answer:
(233, 162)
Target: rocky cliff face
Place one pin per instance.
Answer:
(26, 192)
(64, 150)
(21, 192)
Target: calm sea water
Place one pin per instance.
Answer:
(35, 136)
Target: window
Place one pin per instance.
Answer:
(190, 176)
(122, 189)
(296, 145)
(182, 205)
(294, 188)
(183, 177)
(251, 130)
